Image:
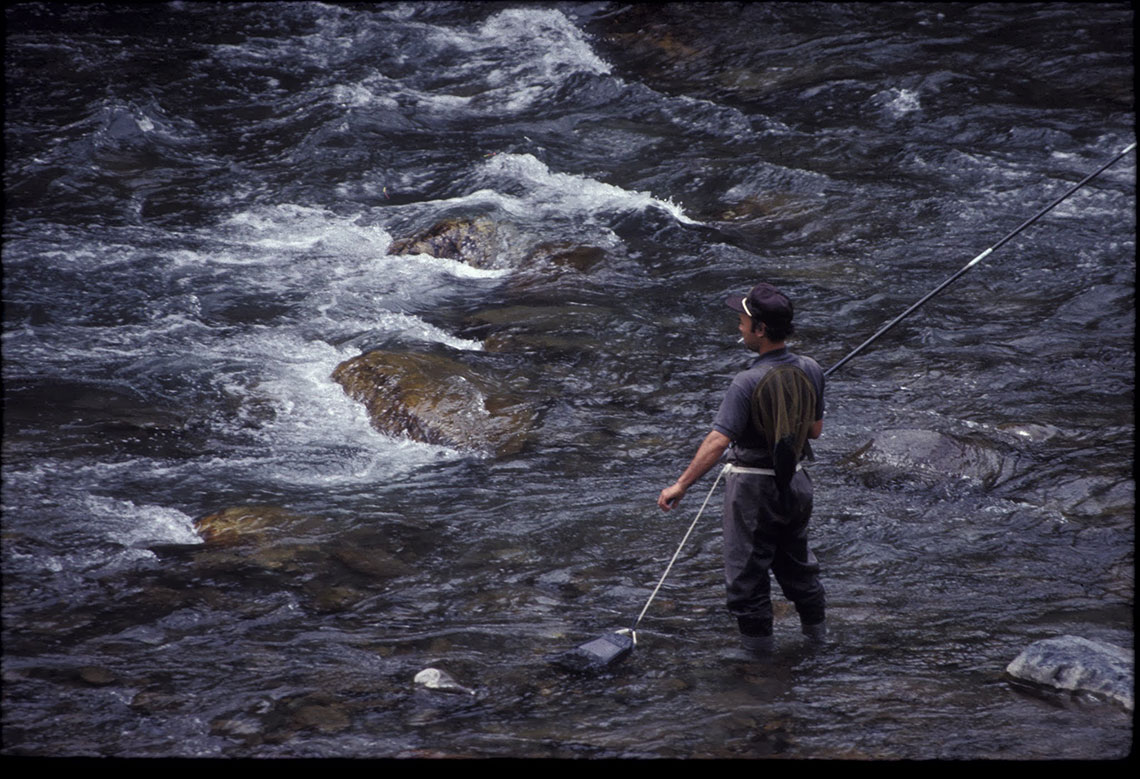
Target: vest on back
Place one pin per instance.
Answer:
(784, 410)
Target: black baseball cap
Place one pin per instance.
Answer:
(764, 302)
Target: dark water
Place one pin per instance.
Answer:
(199, 202)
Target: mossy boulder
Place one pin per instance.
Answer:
(436, 400)
(248, 524)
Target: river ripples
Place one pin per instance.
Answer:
(200, 202)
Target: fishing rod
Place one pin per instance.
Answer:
(978, 259)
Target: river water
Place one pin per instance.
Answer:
(199, 203)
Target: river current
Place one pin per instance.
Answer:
(199, 203)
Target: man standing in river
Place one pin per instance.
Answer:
(770, 410)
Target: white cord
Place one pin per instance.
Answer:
(679, 548)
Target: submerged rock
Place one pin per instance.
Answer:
(333, 572)
(762, 206)
(1076, 664)
(487, 244)
(436, 400)
(328, 718)
(320, 711)
(96, 675)
(928, 454)
(370, 562)
(331, 599)
(240, 524)
(266, 538)
(546, 329)
(435, 679)
(570, 255)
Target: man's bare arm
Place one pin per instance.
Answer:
(707, 455)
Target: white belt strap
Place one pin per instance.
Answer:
(732, 468)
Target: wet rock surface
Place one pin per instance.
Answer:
(1075, 664)
(928, 455)
(249, 524)
(441, 681)
(568, 255)
(477, 241)
(436, 400)
(540, 330)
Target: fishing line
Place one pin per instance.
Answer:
(644, 609)
(609, 648)
(978, 259)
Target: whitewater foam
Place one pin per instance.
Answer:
(544, 191)
(898, 102)
(293, 227)
(517, 55)
(136, 525)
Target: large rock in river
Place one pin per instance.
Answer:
(494, 245)
(251, 524)
(436, 400)
(1076, 664)
(477, 242)
(930, 456)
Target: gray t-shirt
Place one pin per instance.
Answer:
(734, 418)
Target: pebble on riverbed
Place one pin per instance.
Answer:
(435, 679)
(96, 676)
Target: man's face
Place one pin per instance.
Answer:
(751, 339)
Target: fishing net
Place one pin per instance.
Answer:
(783, 408)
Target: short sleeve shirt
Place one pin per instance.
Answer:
(734, 418)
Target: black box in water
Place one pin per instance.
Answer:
(597, 654)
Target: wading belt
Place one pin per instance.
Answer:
(732, 468)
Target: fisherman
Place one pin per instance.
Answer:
(767, 415)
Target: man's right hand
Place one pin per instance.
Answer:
(706, 457)
(670, 497)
